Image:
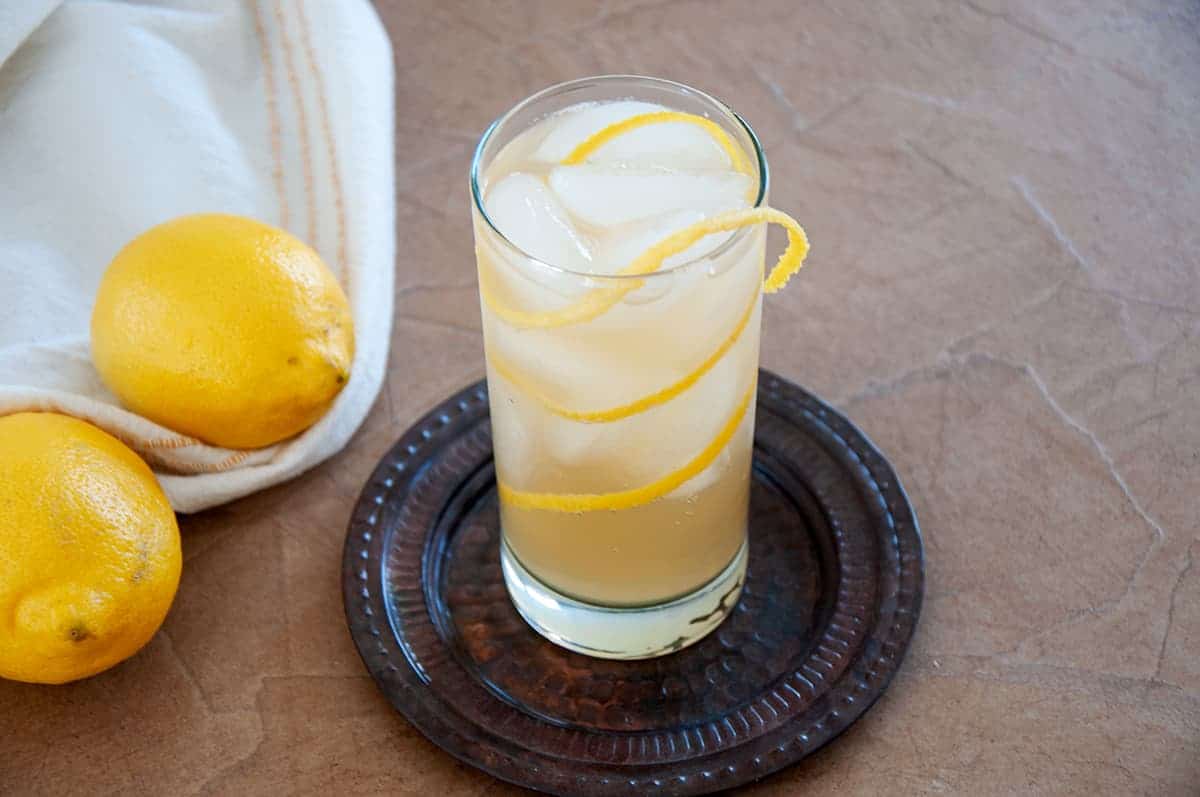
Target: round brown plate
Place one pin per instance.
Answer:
(830, 604)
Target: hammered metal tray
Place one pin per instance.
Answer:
(831, 601)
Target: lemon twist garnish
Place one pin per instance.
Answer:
(641, 405)
(627, 499)
(601, 137)
(600, 300)
(593, 304)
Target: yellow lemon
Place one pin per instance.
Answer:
(89, 550)
(223, 328)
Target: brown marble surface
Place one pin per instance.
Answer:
(1004, 292)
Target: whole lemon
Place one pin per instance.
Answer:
(223, 328)
(89, 549)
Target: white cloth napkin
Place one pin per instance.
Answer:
(115, 116)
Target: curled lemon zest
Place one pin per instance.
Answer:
(644, 403)
(788, 264)
(593, 304)
(596, 140)
(627, 499)
(600, 300)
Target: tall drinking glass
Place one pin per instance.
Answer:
(622, 404)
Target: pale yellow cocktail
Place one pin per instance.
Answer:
(621, 265)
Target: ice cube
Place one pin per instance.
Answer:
(605, 196)
(676, 145)
(619, 251)
(529, 215)
(700, 414)
(574, 125)
(570, 442)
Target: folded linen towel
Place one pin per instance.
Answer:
(115, 116)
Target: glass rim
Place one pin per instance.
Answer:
(731, 115)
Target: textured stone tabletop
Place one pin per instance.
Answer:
(1004, 292)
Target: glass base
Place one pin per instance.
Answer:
(610, 632)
